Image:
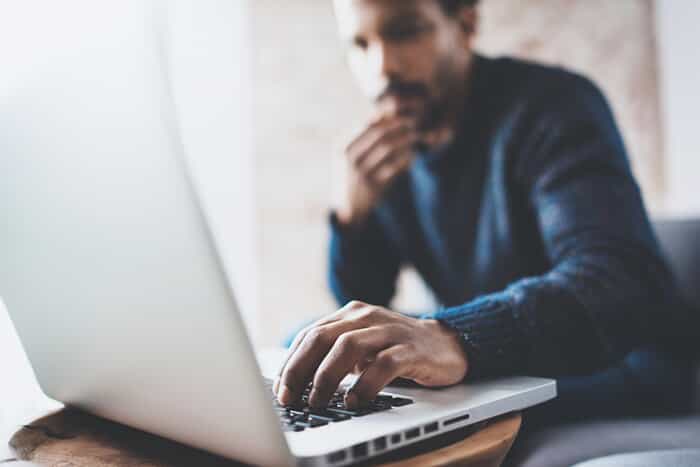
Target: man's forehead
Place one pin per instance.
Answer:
(354, 16)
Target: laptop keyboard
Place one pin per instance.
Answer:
(301, 416)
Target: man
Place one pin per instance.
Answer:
(507, 186)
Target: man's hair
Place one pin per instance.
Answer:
(452, 6)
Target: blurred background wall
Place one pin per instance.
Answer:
(306, 101)
(678, 56)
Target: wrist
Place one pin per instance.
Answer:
(454, 341)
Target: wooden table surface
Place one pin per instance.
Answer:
(21, 399)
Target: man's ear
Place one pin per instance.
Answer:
(468, 18)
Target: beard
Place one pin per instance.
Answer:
(431, 104)
(434, 115)
(446, 87)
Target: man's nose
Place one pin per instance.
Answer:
(386, 64)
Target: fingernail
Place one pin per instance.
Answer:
(351, 400)
(285, 395)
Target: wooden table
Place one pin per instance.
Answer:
(76, 439)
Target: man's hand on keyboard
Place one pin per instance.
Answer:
(379, 345)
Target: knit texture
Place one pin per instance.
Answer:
(529, 229)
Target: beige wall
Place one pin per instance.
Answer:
(305, 100)
(613, 42)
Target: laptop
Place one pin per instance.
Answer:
(117, 285)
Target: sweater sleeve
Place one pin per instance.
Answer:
(608, 289)
(362, 263)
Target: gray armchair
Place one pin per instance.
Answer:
(566, 445)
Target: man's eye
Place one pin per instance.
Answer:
(359, 43)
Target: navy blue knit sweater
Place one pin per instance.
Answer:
(529, 229)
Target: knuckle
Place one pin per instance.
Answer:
(316, 336)
(410, 348)
(355, 304)
(374, 312)
(387, 362)
(347, 343)
(393, 331)
(383, 149)
(370, 314)
(385, 174)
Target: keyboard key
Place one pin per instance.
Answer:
(296, 428)
(300, 415)
(400, 401)
(379, 405)
(311, 422)
(353, 413)
(326, 420)
(328, 415)
(291, 421)
(298, 407)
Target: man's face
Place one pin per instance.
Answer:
(408, 55)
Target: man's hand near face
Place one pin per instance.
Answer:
(379, 345)
(374, 158)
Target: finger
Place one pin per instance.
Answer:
(378, 134)
(384, 141)
(388, 153)
(290, 351)
(283, 396)
(389, 364)
(349, 349)
(308, 355)
(386, 173)
(292, 348)
(336, 315)
(362, 365)
(370, 130)
(437, 137)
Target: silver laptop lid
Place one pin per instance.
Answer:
(108, 270)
